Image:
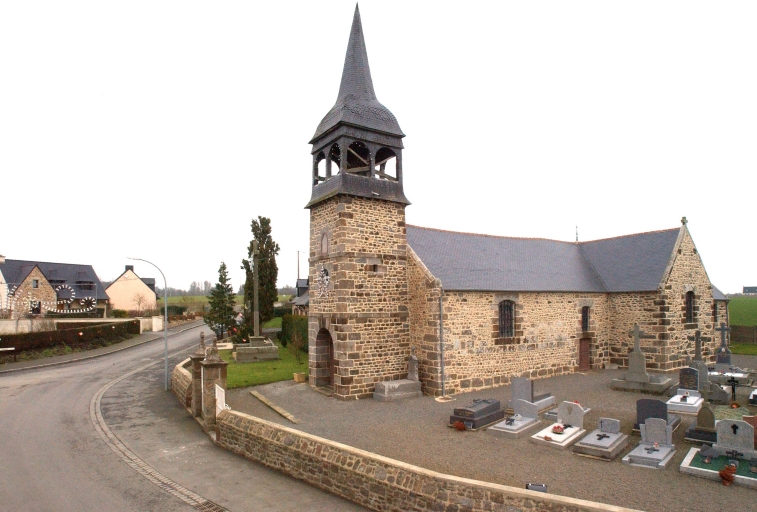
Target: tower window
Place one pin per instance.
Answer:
(506, 319)
(358, 159)
(386, 164)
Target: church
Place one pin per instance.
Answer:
(476, 310)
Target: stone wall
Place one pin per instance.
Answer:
(181, 382)
(363, 311)
(376, 482)
(25, 294)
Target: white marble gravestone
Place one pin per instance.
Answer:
(604, 443)
(656, 447)
(570, 416)
(685, 401)
(735, 436)
(522, 422)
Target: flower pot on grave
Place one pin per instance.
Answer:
(299, 377)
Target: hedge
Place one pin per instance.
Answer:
(75, 338)
(291, 324)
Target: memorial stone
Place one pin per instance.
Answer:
(651, 408)
(604, 443)
(566, 431)
(523, 389)
(735, 439)
(637, 378)
(521, 423)
(656, 448)
(480, 413)
(703, 429)
(688, 378)
(723, 355)
(700, 365)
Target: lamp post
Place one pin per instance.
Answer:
(165, 313)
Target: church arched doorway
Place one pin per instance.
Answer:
(324, 347)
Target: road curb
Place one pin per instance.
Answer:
(93, 356)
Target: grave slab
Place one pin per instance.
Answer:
(523, 389)
(562, 441)
(481, 413)
(688, 467)
(522, 423)
(604, 443)
(392, 390)
(637, 379)
(656, 447)
(551, 415)
(685, 404)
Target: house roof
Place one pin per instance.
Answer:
(464, 261)
(73, 275)
(357, 104)
(302, 300)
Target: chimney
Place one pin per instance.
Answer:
(129, 267)
(2, 259)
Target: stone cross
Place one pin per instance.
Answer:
(723, 329)
(636, 337)
(698, 353)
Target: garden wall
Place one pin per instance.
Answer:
(181, 382)
(376, 482)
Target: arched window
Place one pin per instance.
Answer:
(689, 300)
(585, 318)
(358, 159)
(386, 164)
(506, 319)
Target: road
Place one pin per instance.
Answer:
(55, 455)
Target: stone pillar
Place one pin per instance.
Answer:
(213, 372)
(197, 358)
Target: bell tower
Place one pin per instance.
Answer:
(358, 315)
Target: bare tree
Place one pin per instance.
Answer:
(139, 299)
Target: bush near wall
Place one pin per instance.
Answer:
(291, 324)
(78, 325)
(284, 310)
(82, 337)
(119, 313)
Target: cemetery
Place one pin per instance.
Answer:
(504, 429)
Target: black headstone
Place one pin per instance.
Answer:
(650, 408)
(688, 378)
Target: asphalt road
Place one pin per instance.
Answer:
(54, 457)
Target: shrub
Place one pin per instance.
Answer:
(291, 324)
(79, 337)
(284, 310)
(119, 313)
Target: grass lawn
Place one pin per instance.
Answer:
(241, 375)
(274, 322)
(744, 349)
(742, 311)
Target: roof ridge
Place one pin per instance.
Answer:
(630, 235)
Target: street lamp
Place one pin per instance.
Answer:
(165, 312)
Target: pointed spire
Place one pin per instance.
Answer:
(356, 75)
(357, 104)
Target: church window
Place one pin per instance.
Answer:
(386, 164)
(715, 310)
(689, 300)
(506, 319)
(585, 318)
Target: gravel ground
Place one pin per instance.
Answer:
(415, 431)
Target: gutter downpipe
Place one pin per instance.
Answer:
(441, 333)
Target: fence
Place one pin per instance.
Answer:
(743, 334)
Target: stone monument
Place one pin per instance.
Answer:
(723, 355)
(656, 448)
(391, 390)
(605, 443)
(637, 378)
(568, 429)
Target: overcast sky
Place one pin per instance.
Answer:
(161, 129)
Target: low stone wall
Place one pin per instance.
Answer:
(181, 382)
(376, 482)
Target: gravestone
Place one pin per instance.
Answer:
(637, 378)
(752, 420)
(735, 439)
(523, 389)
(687, 399)
(604, 443)
(700, 365)
(391, 390)
(525, 419)
(258, 348)
(718, 394)
(703, 429)
(656, 447)
(480, 413)
(753, 397)
(688, 379)
(567, 430)
(651, 408)
(723, 355)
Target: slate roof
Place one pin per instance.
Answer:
(302, 300)
(357, 103)
(15, 271)
(465, 261)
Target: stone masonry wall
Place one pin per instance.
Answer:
(181, 382)
(424, 293)
(362, 244)
(25, 293)
(376, 482)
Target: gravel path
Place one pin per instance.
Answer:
(415, 431)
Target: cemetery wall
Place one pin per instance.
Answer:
(362, 244)
(181, 382)
(376, 482)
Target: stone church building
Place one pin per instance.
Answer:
(475, 309)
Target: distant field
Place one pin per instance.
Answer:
(743, 311)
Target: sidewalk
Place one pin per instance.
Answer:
(141, 339)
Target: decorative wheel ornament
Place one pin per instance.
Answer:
(323, 282)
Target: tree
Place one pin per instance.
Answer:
(139, 299)
(268, 273)
(221, 302)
